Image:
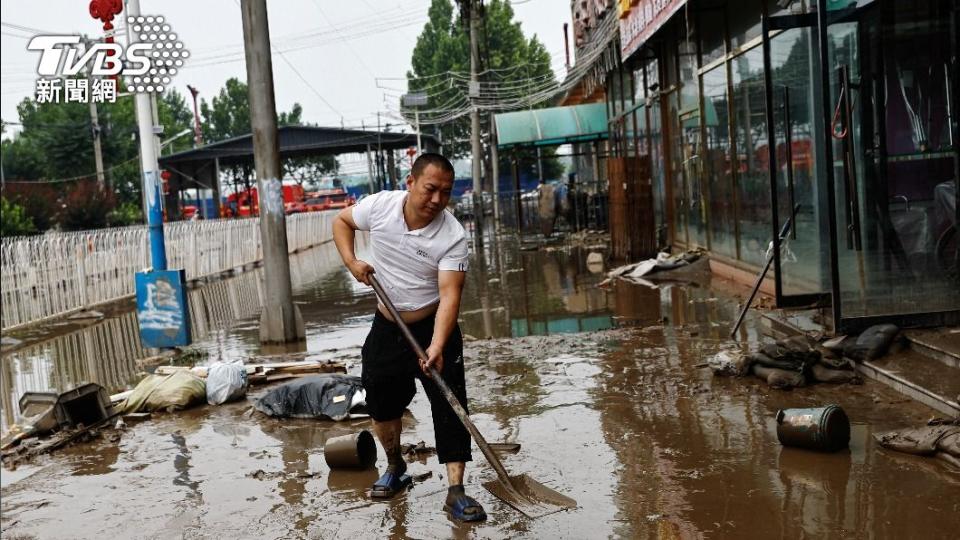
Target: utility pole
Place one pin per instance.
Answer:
(197, 130)
(474, 12)
(162, 310)
(370, 170)
(495, 173)
(280, 320)
(97, 151)
(95, 130)
(416, 119)
(152, 192)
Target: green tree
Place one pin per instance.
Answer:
(507, 58)
(14, 220)
(228, 115)
(56, 143)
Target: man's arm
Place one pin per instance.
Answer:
(451, 289)
(344, 235)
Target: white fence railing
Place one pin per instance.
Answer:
(59, 273)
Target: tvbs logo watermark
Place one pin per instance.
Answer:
(72, 70)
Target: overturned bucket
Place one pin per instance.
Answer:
(355, 451)
(820, 428)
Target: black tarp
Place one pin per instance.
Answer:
(319, 396)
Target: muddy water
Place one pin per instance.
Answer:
(599, 386)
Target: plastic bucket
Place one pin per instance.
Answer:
(355, 451)
(821, 428)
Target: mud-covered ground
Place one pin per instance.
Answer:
(600, 386)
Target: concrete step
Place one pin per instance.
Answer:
(918, 376)
(942, 344)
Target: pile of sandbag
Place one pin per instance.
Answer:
(871, 344)
(178, 390)
(787, 363)
(940, 438)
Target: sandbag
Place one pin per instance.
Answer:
(824, 374)
(836, 363)
(779, 378)
(950, 444)
(765, 361)
(320, 396)
(955, 461)
(872, 343)
(179, 390)
(226, 382)
(921, 441)
(795, 351)
(735, 364)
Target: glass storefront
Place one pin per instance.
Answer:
(893, 86)
(745, 129)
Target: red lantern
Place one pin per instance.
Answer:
(106, 10)
(165, 176)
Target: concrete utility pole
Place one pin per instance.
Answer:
(370, 170)
(97, 151)
(280, 320)
(197, 130)
(495, 173)
(95, 129)
(477, 156)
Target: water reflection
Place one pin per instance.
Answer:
(514, 293)
(109, 352)
(700, 454)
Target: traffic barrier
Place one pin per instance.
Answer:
(56, 274)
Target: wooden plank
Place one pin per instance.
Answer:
(305, 366)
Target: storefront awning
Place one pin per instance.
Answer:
(553, 126)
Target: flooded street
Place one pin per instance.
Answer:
(601, 386)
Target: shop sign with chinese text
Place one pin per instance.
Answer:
(642, 20)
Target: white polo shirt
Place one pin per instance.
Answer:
(407, 262)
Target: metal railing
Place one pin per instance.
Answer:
(573, 210)
(57, 274)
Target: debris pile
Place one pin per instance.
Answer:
(661, 263)
(787, 363)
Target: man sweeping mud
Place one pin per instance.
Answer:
(420, 255)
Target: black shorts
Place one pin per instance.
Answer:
(389, 369)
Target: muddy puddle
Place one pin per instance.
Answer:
(599, 385)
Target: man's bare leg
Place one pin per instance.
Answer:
(455, 473)
(455, 491)
(389, 434)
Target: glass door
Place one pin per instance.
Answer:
(891, 81)
(795, 132)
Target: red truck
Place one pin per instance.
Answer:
(328, 199)
(247, 202)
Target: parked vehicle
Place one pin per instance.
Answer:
(463, 209)
(328, 199)
(247, 202)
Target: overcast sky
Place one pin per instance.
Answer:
(342, 46)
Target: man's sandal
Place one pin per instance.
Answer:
(465, 508)
(389, 485)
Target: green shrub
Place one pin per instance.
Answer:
(14, 220)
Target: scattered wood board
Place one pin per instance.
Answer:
(304, 367)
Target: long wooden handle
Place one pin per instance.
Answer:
(444, 389)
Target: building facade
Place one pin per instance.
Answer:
(739, 124)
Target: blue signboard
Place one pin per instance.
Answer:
(162, 308)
